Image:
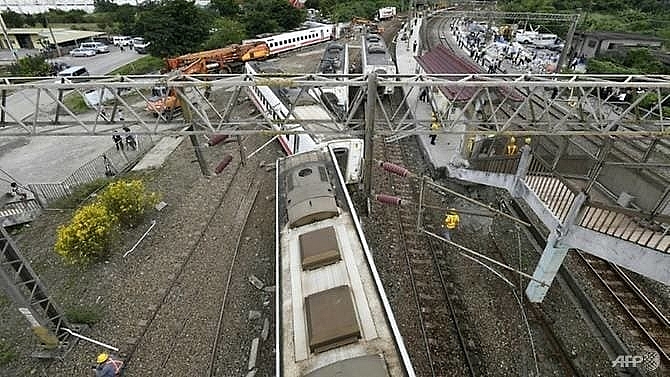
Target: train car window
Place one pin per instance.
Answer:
(319, 248)
(342, 156)
(331, 319)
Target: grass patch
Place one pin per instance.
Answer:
(7, 355)
(81, 193)
(143, 65)
(87, 315)
(75, 102)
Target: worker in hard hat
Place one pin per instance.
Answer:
(434, 126)
(527, 140)
(108, 365)
(451, 220)
(511, 147)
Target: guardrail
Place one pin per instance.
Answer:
(496, 164)
(627, 224)
(110, 163)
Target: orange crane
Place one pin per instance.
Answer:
(227, 60)
(372, 26)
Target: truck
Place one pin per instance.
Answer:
(230, 59)
(386, 13)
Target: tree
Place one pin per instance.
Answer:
(174, 28)
(31, 66)
(263, 16)
(226, 31)
(225, 8)
(13, 19)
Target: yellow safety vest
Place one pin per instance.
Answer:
(435, 126)
(451, 221)
(511, 149)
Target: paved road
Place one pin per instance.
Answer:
(51, 159)
(102, 64)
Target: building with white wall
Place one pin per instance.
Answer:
(41, 6)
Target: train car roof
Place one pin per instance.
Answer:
(376, 51)
(333, 59)
(332, 316)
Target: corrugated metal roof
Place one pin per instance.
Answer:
(441, 60)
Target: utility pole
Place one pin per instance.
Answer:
(46, 21)
(568, 43)
(370, 106)
(9, 43)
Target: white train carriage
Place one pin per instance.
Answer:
(333, 317)
(293, 40)
(375, 57)
(335, 60)
(318, 127)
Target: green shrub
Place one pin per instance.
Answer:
(84, 315)
(128, 200)
(88, 236)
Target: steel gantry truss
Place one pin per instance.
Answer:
(511, 104)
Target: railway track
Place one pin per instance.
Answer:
(196, 333)
(649, 325)
(240, 220)
(559, 351)
(449, 349)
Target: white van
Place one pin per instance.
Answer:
(100, 48)
(122, 41)
(75, 71)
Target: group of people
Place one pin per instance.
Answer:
(121, 140)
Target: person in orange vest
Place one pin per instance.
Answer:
(434, 126)
(450, 223)
(511, 146)
(108, 366)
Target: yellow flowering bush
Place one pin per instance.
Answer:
(128, 200)
(88, 236)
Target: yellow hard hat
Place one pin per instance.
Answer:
(512, 139)
(527, 140)
(102, 358)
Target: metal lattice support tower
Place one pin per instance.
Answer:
(24, 287)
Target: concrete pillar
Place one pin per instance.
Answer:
(521, 171)
(547, 267)
(524, 163)
(553, 254)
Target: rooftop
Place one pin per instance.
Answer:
(61, 35)
(441, 60)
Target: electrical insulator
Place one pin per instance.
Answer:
(216, 139)
(395, 169)
(388, 199)
(222, 165)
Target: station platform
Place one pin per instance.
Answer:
(446, 152)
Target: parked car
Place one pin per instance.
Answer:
(82, 52)
(99, 47)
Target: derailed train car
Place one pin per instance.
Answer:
(333, 316)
